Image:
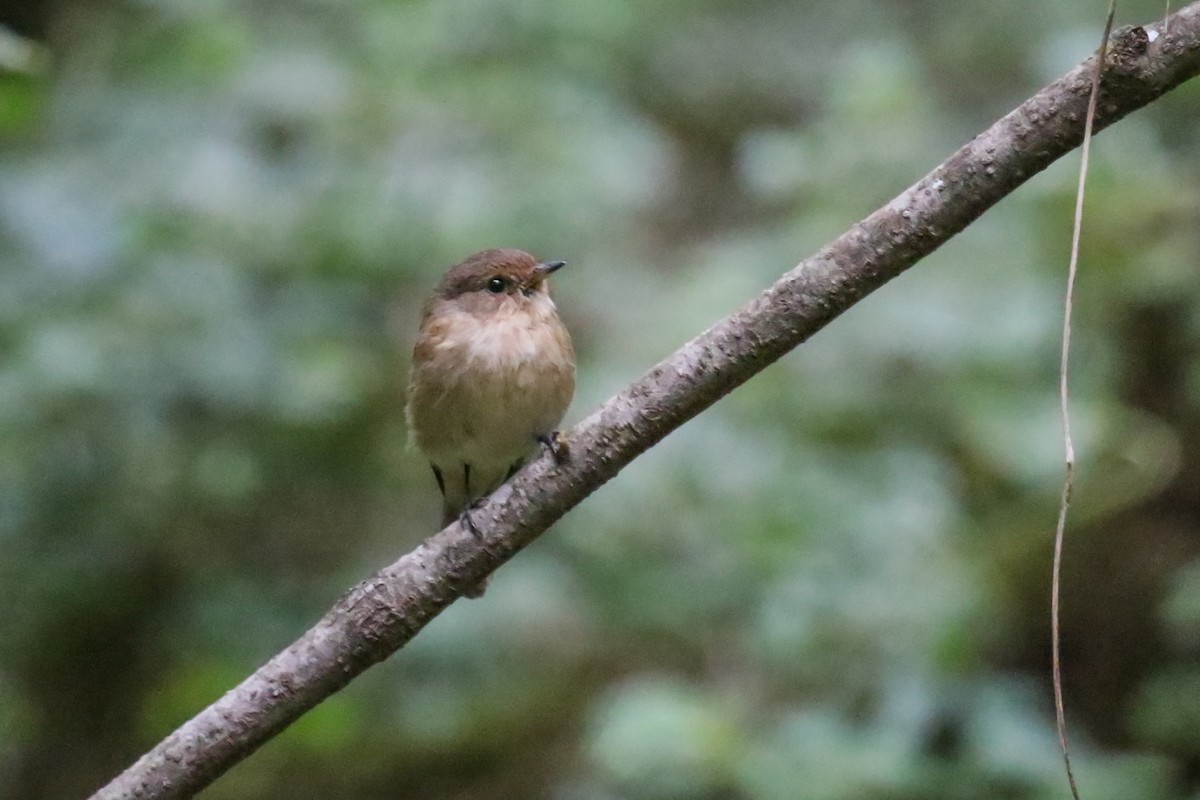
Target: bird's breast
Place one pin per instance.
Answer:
(512, 338)
(484, 386)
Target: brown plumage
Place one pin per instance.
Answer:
(493, 372)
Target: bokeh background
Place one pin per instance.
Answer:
(217, 223)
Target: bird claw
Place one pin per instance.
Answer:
(557, 444)
(465, 520)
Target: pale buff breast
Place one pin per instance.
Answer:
(486, 387)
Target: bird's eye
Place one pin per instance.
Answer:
(496, 285)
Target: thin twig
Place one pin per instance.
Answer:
(1064, 396)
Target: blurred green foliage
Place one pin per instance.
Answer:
(218, 219)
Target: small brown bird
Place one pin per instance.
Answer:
(493, 372)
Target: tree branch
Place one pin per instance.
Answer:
(381, 614)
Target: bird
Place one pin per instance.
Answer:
(493, 372)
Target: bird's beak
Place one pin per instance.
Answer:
(549, 266)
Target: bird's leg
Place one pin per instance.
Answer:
(464, 518)
(557, 444)
(467, 522)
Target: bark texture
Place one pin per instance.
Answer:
(382, 613)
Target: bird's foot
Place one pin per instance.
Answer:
(557, 444)
(467, 521)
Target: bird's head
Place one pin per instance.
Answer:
(490, 277)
